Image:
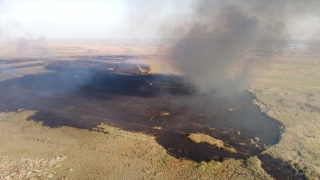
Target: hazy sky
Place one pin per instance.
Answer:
(108, 19)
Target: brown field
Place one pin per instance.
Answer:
(286, 85)
(290, 87)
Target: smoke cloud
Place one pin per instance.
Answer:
(26, 47)
(220, 30)
(211, 34)
(39, 48)
(17, 42)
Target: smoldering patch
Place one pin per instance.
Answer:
(85, 95)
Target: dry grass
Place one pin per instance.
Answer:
(254, 164)
(10, 74)
(29, 149)
(90, 155)
(202, 138)
(289, 85)
(290, 88)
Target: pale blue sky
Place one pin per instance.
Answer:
(107, 18)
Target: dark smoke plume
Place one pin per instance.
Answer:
(220, 30)
(212, 33)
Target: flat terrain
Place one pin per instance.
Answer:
(287, 88)
(290, 87)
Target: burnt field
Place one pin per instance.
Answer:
(85, 93)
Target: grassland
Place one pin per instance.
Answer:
(289, 85)
(202, 138)
(30, 150)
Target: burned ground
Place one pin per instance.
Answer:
(85, 94)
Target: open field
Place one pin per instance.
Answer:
(287, 84)
(290, 87)
(32, 150)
